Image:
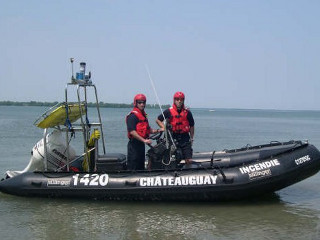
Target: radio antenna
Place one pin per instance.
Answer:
(154, 90)
(158, 100)
(72, 78)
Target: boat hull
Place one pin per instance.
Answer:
(205, 183)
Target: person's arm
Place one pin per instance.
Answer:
(154, 130)
(160, 124)
(138, 137)
(192, 133)
(132, 122)
(191, 122)
(160, 119)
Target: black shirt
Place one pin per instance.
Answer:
(132, 122)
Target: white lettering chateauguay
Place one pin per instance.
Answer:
(259, 166)
(177, 181)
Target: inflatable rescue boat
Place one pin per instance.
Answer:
(56, 170)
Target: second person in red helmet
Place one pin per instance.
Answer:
(182, 123)
(138, 133)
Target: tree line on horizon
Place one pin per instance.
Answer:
(90, 104)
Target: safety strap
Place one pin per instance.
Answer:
(87, 120)
(68, 122)
(211, 160)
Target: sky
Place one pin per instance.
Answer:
(252, 54)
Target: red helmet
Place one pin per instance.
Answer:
(178, 95)
(139, 97)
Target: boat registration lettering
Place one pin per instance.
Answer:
(302, 160)
(259, 166)
(91, 180)
(177, 181)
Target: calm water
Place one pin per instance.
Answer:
(293, 212)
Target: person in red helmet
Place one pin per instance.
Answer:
(182, 123)
(138, 133)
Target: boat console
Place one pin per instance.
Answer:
(111, 162)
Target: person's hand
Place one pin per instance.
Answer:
(188, 161)
(95, 135)
(155, 131)
(147, 141)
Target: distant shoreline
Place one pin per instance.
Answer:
(152, 106)
(51, 104)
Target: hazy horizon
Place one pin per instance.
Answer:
(222, 54)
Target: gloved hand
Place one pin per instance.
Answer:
(94, 135)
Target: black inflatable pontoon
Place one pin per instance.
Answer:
(227, 175)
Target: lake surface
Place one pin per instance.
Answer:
(293, 212)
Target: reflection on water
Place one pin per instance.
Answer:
(68, 219)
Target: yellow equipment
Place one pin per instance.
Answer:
(90, 154)
(59, 114)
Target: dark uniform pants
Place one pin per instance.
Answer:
(136, 155)
(183, 142)
(186, 149)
